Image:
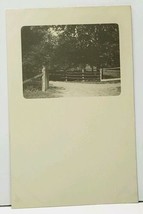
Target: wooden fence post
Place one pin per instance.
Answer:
(82, 74)
(101, 74)
(45, 79)
(66, 78)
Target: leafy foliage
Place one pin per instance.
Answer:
(67, 46)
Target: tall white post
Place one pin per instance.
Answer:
(101, 74)
(45, 79)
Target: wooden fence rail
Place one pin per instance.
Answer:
(31, 79)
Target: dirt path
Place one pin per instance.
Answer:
(72, 89)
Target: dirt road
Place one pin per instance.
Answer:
(75, 89)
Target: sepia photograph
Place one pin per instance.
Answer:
(71, 60)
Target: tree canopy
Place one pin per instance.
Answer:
(67, 46)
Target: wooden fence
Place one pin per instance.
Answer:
(110, 74)
(83, 75)
(75, 75)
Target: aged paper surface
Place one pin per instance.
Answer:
(71, 151)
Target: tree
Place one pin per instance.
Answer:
(37, 49)
(65, 46)
(88, 44)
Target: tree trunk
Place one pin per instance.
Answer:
(45, 79)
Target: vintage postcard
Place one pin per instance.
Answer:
(71, 60)
(71, 105)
